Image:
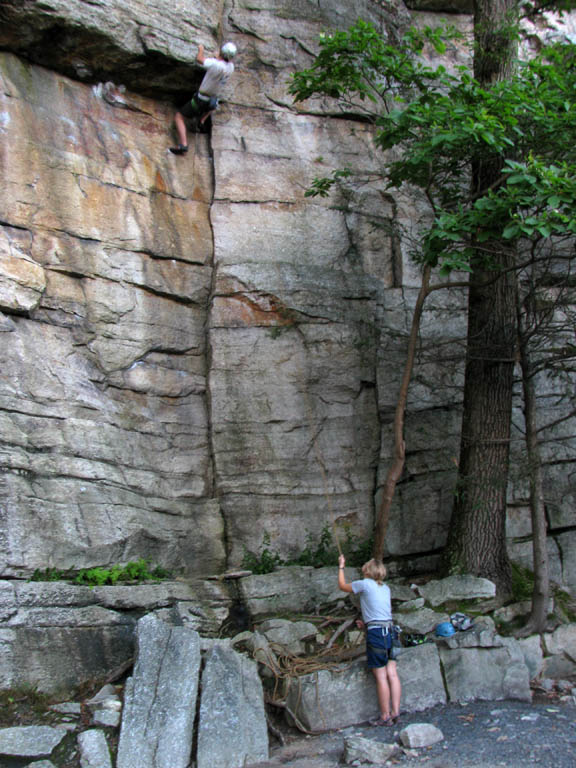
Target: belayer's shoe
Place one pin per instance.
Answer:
(181, 149)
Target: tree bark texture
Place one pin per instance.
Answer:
(477, 537)
(477, 541)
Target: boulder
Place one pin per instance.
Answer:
(288, 634)
(332, 698)
(420, 735)
(94, 751)
(531, 648)
(558, 666)
(457, 588)
(490, 673)
(261, 651)
(68, 708)
(419, 620)
(232, 727)
(41, 764)
(562, 641)
(346, 695)
(421, 677)
(160, 698)
(509, 613)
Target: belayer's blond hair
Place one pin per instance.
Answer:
(374, 569)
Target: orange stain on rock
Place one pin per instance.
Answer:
(250, 311)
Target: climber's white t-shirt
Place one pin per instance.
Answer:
(217, 73)
(375, 600)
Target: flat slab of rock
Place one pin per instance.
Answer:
(457, 588)
(421, 621)
(481, 635)
(359, 749)
(291, 588)
(232, 728)
(30, 741)
(160, 698)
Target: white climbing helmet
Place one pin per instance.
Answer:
(228, 51)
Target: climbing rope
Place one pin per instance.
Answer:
(327, 494)
(287, 667)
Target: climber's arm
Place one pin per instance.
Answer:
(342, 584)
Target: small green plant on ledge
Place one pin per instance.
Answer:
(316, 553)
(138, 571)
(25, 705)
(262, 563)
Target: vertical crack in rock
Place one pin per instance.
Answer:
(212, 480)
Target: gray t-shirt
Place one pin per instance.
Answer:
(217, 73)
(374, 600)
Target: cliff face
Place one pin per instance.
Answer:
(193, 354)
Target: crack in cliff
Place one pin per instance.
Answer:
(30, 414)
(212, 481)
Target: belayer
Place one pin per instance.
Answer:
(376, 606)
(205, 100)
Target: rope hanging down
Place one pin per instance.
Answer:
(327, 495)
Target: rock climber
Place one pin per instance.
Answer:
(205, 101)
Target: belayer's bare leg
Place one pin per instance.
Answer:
(395, 687)
(383, 691)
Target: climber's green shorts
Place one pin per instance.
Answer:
(197, 107)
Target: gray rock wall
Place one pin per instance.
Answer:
(192, 353)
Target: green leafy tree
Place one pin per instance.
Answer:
(493, 151)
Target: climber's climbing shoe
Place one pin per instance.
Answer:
(181, 149)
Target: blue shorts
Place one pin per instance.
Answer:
(378, 647)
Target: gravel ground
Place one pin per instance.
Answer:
(485, 734)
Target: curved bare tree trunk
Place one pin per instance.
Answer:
(397, 466)
(541, 595)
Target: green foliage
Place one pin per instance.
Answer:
(318, 552)
(97, 577)
(522, 583)
(265, 562)
(566, 603)
(51, 574)
(357, 551)
(441, 125)
(25, 705)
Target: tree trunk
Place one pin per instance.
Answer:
(477, 537)
(541, 594)
(477, 541)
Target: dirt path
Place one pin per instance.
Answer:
(487, 734)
